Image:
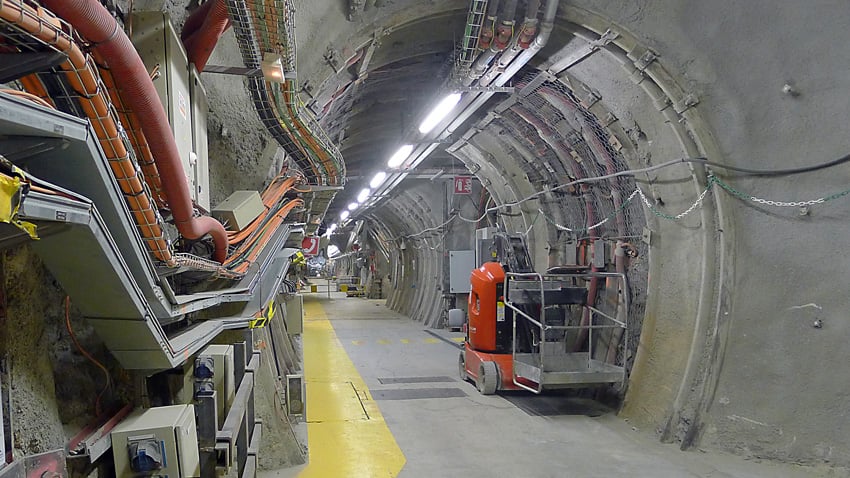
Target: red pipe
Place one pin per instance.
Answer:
(201, 43)
(96, 25)
(195, 20)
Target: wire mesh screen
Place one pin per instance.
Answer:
(569, 142)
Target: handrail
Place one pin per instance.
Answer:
(541, 279)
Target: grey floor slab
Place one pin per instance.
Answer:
(514, 435)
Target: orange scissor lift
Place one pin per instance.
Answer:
(519, 335)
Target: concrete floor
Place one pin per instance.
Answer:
(458, 432)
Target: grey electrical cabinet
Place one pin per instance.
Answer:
(161, 441)
(215, 366)
(484, 244)
(461, 264)
(160, 48)
(199, 161)
(294, 316)
(182, 96)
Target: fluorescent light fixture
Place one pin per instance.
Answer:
(377, 179)
(272, 68)
(400, 156)
(333, 251)
(364, 195)
(439, 112)
(352, 206)
(344, 215)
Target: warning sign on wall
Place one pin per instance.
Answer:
(310, 246)
(463, 184)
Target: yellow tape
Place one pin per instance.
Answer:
(263, 317)
(10, 203)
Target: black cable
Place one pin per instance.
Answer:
(772, 172)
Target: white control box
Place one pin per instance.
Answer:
(223, 378)
(161, 441)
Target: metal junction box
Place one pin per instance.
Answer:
(461, 265)
(160, 441)
(238, 210)
(181, 94)
(218, 360)
(484, 238)
(200, 145)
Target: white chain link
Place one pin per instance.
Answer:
(768, 202)
(681, 214)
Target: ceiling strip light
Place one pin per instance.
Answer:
(364, 195)
(439, 113)
(377, 179)
(400, 156)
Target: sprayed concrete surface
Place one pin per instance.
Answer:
(733, 360)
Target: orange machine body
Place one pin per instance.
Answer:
(490, 327)
(487, 282)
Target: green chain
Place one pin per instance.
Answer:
(837, 195)
(711, 181)
(730, 189)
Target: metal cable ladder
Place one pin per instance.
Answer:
(550, 364)
(469, 45)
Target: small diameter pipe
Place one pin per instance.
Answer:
(95, 24)
(620, 265)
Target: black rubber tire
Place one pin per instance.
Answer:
(488, 378)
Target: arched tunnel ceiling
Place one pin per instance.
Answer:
(380, 88)
(375, 99)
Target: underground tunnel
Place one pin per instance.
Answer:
(373, 237)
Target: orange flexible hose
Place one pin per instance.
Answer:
(271, 196)
(134, 131)
(27, 96)
(83, 79)
(32, 84)
(262, 240)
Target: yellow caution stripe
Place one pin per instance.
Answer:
(11, 194)
(346, 433)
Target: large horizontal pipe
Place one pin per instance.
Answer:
(97, 26)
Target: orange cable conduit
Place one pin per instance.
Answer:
(95, 24)
(82, 78)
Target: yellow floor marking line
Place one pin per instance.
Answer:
(405, 341)
(357, 342)
(384, 342)
(458, 339)
(346, 433)
(432, 341)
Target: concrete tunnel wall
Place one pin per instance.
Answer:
(755, 382)
(729, 356)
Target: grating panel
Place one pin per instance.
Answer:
(394, 380)
(418, 393)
